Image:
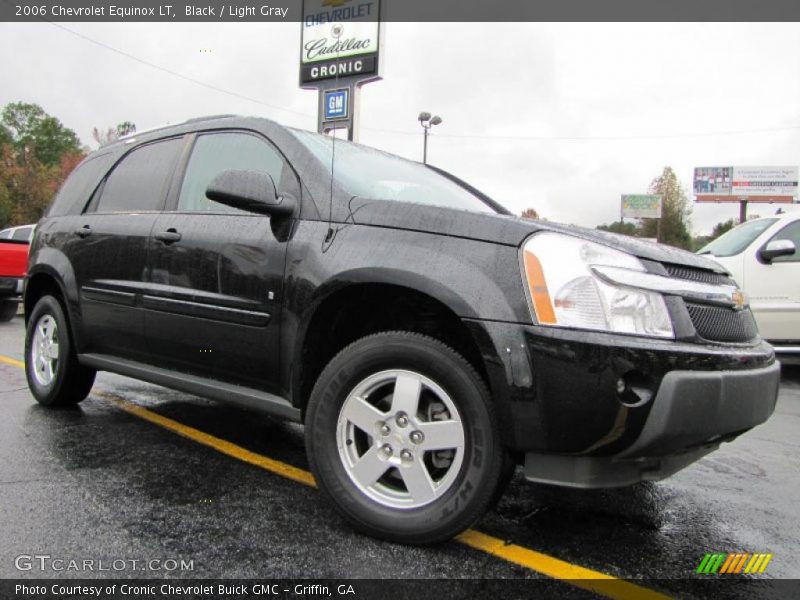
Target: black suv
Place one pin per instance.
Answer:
(428, 339)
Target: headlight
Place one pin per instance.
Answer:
(565, 292)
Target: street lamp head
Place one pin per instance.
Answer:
(436, 120)
(424, 116)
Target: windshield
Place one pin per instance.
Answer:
(737, 239)
(371, 173)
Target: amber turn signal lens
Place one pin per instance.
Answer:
(538, 289)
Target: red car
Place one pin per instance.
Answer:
(14, 245)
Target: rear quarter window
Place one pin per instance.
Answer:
(81, 183)
(23, 234)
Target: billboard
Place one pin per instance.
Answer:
(340, 38)
(754, 184)
(641, 206)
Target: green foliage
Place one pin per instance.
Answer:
(719, 229)
(36, 154)
(125, 128)
(6, 207)
(623, 228)
(37, 135)
(723, 227)
(5, 136)
(675, 214)
(112, 134)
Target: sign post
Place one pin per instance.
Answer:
(745, 184)
(340, 50)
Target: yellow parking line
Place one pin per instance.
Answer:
(12, 361)
(555, 568)
(232, 450)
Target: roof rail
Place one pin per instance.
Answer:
(133, 134)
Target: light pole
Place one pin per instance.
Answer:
(427, 122)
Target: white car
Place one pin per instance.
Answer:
(763, 256)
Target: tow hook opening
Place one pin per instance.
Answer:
(635, 389)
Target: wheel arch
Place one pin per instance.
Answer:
(363, 303)
(51, 272)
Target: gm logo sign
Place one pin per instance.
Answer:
(336, 102)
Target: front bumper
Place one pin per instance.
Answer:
(11, 287)
(693, 412)
(562, 404)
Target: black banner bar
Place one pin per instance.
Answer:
(383, 589)
(404, 10)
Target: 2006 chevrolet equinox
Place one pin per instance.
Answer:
(428, 339)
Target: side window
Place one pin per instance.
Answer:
(139, 182)
(217, 152)
(792, 233)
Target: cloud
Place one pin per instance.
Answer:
(560, 117)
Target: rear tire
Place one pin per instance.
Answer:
(55, 377)
(416, 466)
(8, 310)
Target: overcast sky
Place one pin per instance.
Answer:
(645, 96)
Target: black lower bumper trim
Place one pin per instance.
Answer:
(693, 412)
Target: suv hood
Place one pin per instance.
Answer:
(506, 229)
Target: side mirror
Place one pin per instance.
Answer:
(252, 191)
(776, 248)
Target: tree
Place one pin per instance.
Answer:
(675, 212)
(5, 136)
(36, 154)
(37, 135)
(112, 134)
(530, 213)
(722, 227)
(620, 227)
(6, 207)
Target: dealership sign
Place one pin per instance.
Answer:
(641, 206)
(336, 104)
(755, 184)
(340, 38)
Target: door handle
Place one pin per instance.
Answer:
(170, 236)
(83, 232)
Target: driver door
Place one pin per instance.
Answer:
(216, 273)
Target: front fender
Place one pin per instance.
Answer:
(473, 279)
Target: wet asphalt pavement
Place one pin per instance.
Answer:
(96, 482)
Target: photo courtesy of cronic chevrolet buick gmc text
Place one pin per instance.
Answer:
(428, 339)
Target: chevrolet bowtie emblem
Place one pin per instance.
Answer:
(334, 3)
(738, 299)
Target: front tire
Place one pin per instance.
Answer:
(402, 436)
(54, 375)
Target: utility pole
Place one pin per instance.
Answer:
(427, 122)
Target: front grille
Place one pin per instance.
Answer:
(701, 275)
(722, 324)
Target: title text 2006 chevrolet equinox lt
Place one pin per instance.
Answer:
(428, 339)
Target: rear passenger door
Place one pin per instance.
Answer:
(108, 248)
(212, 307)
